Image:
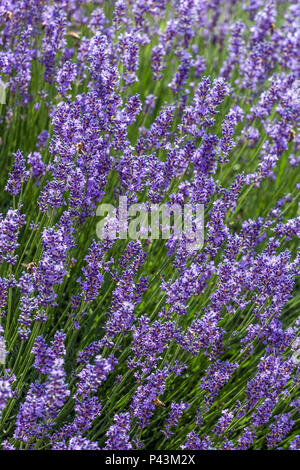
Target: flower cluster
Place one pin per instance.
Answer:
(111, 343)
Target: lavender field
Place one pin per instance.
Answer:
(125, 330)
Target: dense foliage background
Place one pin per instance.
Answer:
(141, 343)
